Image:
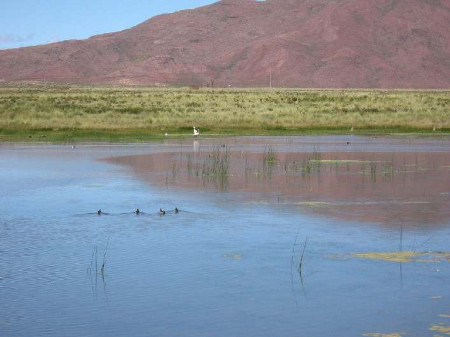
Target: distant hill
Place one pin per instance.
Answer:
(245, 43)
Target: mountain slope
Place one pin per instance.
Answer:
(306, 43)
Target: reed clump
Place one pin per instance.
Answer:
(216, 167)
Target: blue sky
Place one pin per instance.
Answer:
(33, 22)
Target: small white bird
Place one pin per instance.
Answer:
(196, 132)
(166, 134)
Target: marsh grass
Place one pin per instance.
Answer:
(312, 163)
(269, 162)
(211, 167)
(94, 265)
(141, 112)
(405, 256)
(221, 165)
(216, 167)
(300, 264)
(270, 156)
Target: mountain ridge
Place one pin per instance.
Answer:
(245, 43)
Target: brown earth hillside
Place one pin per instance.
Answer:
(244, 43)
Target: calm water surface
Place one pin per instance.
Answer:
(227, 264)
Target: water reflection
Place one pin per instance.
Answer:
(391, 186)
(196, 146)
(242, 257)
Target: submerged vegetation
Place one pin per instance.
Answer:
(406, 256)
(377, 334)
(68, 112)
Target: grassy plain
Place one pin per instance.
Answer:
(59, 112)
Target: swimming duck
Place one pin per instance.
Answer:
(176, 210)
(161, 211)
(99, 212)
(137, 211)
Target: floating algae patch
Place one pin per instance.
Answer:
(377, 334)
(94, 186)
(444, 316)
(232, 256)
(441, 328)
(405, 256)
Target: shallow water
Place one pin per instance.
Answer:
(227, 264)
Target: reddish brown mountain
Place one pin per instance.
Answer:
(301, 43)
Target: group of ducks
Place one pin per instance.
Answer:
(138, 211)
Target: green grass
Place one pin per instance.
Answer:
(59, 113)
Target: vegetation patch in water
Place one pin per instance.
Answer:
(339, 161)
(441, 328)
(377, 334)
(405, 256)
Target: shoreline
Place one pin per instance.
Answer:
(142, 136)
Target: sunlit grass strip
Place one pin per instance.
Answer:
(219, 111)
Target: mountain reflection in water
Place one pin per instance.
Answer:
(385, 181)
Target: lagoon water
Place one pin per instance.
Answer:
(228, 263)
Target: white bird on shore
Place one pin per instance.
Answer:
(196, 132)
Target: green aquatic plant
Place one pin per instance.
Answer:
(338, 161)
(269, 161)
(378, 334)
(102, 269)
(216, 167)
(388, 169)
(405, 256)
(270, 156)
(440, 328)
(300, 264)
(189, 164)
(307, 166)
(94, 261)
(373, 171)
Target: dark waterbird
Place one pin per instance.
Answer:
(137, 211)
(176, 210)
(161, 211)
